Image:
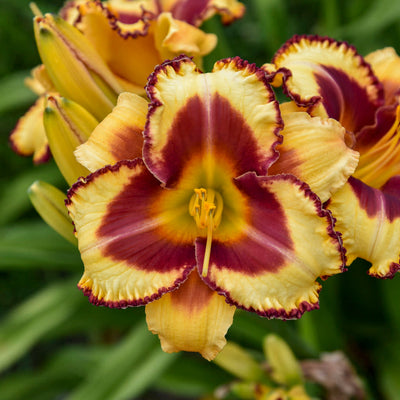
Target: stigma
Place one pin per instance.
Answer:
(206, 207)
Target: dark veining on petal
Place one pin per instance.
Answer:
(199, 128)
(127, 143)
(344, 99)
(193, 295)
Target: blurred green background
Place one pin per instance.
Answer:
(55, 345)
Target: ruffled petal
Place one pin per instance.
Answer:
(174, 37)
(286, 244)
(328, 77)
(129, 257)
(191, 318)
(231, 111)
(314, 150)
(118, 137)
(386, 66)
(29, 137)
(369, 220)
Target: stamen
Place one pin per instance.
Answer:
(206, 206)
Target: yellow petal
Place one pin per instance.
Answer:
(118, 136)
(369, 221)
(314, 150)
(328, 77)
(29, 136)
(386, 66)
(191, 318)
(174, 37)
(128, 259)
(230, 111)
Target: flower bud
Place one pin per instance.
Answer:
(49, 203)
(238, 362)
(67, 126)
(76, 69)
(285, 368)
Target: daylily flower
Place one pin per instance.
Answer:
(190, 225)
(112, 48)
(329, 78)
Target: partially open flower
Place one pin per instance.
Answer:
(329, 78)
(196, 227)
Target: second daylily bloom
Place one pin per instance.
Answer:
(132, 37)
(195, 227)
(330, 78)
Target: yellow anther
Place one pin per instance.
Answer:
(206, 207)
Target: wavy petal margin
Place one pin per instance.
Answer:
(128, 260)
(118, 137)
(315, 151)
(231, 109)
(329, 77)
(173, 37)
(191, 318)
(29, 136)
(369, 220)
(288, 243)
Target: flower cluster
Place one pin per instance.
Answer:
(198, 193)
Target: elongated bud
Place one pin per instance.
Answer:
(285, 367)
(49, 203)
(76, 69)
(238, 362)
(67, 126)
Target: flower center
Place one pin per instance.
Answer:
(206, 207)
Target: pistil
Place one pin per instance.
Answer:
(206, 207)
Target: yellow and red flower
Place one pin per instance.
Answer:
(185, 219)
(330, 79)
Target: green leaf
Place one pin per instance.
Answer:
(35, 245)
(127, 370)
(14, 93)
(33, 319)
(14, 199)
(376, 18)
(64, 371)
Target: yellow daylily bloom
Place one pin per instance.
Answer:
(179, 225)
